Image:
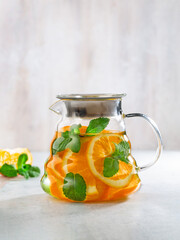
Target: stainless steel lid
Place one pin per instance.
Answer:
(83, 97)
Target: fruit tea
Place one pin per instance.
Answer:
(89, 164)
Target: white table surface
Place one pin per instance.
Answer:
(27, 213)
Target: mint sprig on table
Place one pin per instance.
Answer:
(26, 170)
(111, 164)
(8, 170)
(71, 139)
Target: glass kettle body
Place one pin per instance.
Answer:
(90, 154)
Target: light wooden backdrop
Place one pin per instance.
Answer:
(85, 46)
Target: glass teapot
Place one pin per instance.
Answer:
(90, 154)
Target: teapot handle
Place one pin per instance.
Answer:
(158, 136)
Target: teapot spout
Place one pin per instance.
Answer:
(57, 107)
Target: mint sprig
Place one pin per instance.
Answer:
(74, 187)
(122, 149)
(71, 139)
(25, 170)
(60, 144)
(75, 143)
(33, 171)
(97, 125)
(111, 166)
(22, 159)
(121, 153)
(8, 170)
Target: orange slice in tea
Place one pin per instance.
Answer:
(102, 146)
(117, 193)
(10, 156)
(56, 175)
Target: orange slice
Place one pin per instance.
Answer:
(117, 193)
(56, 175)
(102, 146)
(10, 156)
(77, 163)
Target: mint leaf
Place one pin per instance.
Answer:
(22, 159)
(111, 166)
(29, 171)
(123, 147)
(123, 157)
(8, 170)
(75, 143)
(97, 125)
(23, 173)
(74, 187)
(57, 142)
(54, 151)
(70, 139)
(121, 153)
(75, 128)
(116, 152)
(65, 134)
(26, 167)
(34, 171)
(60, 144)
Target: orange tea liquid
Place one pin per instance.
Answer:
(87, 165)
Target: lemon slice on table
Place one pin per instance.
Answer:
(102, 146)
(10, 156)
